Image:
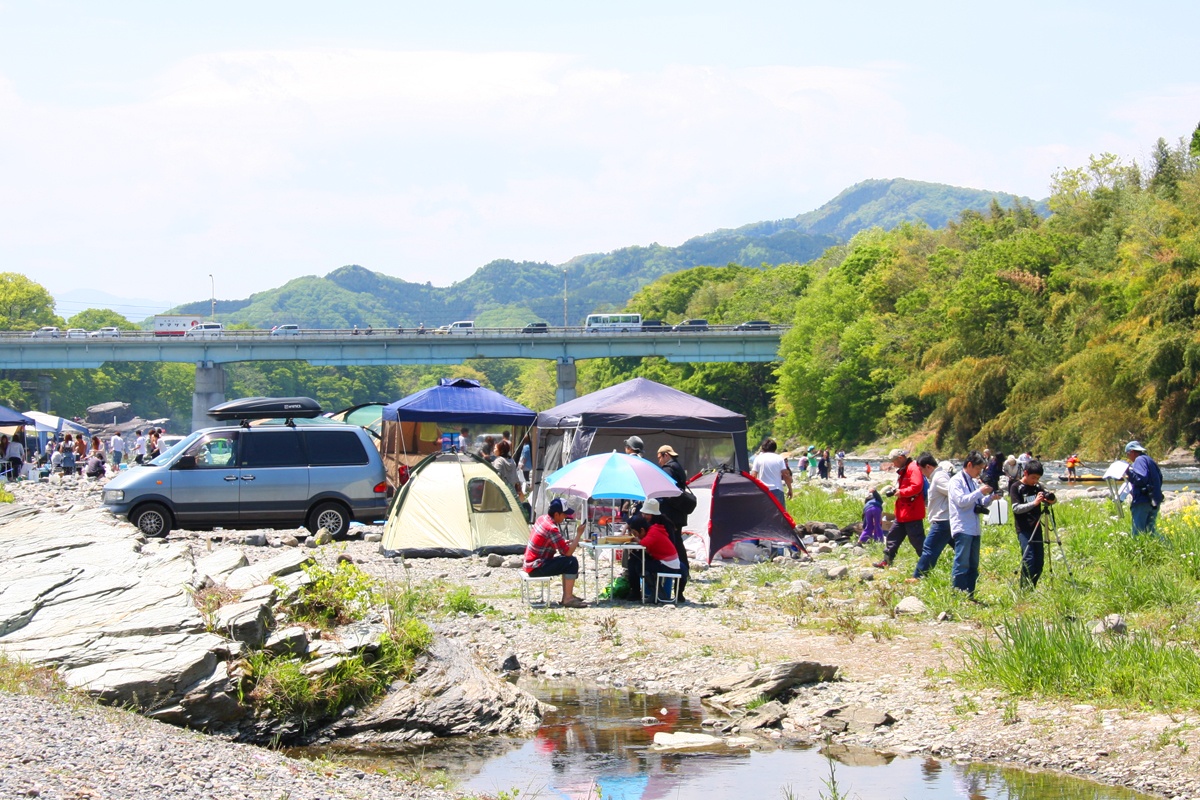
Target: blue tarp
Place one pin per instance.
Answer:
(459, 400)
(10, 417)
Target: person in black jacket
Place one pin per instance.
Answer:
(1029, 502)
(674, 511)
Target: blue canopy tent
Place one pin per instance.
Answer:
(413, 426)
(9, 418)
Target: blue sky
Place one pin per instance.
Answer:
(147, 145)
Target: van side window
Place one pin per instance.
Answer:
(216, 451)
(486, 496)
(281, 448)
(335, 448)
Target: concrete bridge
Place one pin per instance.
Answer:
(381, 347)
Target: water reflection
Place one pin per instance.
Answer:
(597, 744)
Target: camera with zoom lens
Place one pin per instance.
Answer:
(1050, 497)
(890, 491)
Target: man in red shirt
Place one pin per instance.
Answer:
(910, 508)
(549, 553)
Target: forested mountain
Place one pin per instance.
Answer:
(514, 293)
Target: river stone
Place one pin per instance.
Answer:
(291, 585)
(220, 565)
(910, 605)
(361, 636)
(495, 560)
(511, 663)
(840, 571)
(451, 695)
(373, 537)
(322, 666)
(323, 536)
(245, 622)
(776, 681)
(768, 715)
(287, 540)
(291, 641)
(684, 741)
(1113, 623)
(262, 572)
(264, 592)
(514, 562)
(862, 719)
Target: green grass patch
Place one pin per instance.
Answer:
(811, 503)
(337, 595)
(460, 599)
(1067, 660)
(21, 677)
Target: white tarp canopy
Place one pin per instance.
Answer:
(48, 423)
(455, 505)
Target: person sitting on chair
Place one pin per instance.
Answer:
(660, 554)
(548, 553)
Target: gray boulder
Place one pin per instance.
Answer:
(495, 560)
(220, 565)
(245, 622)
(291, 641)
(910, 605)
(776, 681)
(451, 696)
(768, 715)
(1112, 624)
(283, 564)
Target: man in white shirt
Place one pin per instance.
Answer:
(965, 494)
(937, 512)
(772, 469)
(116, 446)
(139, 448)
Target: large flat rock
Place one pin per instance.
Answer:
(262, 572)
(78, 592)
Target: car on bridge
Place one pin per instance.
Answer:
(288, 329)
(463, 326)
(206, 330)
(48, 332)
(691, 326)
(754, 325)
(537, 327)
(655, 326)
(77, 333)
(106, 333)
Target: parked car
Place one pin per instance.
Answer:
(287, 329)
(537, 327)
(691, 326)
(655, 326)
(262, 476)
(754, 325)
(77, 333)
(463, 326)
(206, 330)
(106, 333)
(48, 332)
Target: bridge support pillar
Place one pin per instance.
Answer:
(565, 367)
(209, 391)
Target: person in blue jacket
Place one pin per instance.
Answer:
(1145, 479)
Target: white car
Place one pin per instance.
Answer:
(206, 330)
(464, 326)
(77, 333)
(286, 330)
(48, 332)
(106, 333)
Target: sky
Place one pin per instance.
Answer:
(173, 151)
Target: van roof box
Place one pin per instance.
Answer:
(249, 408)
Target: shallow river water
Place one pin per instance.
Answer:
(598, 745)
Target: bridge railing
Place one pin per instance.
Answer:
(392, 333)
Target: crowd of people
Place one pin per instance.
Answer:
(74, 453)
(953, 501)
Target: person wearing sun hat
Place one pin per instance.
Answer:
(1145, 479)
(549, 553)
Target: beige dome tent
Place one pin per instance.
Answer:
(454, 505)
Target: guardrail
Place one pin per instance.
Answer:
(392, 333)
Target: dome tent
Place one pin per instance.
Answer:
(454, 505)
(734, 506)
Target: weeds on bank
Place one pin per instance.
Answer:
(812, 503)
(20, 677)
(6, 496)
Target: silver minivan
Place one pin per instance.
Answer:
(262, 476)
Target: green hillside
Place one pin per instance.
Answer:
(510, 293)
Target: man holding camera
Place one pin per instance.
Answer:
(1145, 478)
(968, 499)
(1030, 500)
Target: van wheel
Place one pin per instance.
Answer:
(152, 520)
(330, 516)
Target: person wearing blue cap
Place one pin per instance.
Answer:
(1145, 479)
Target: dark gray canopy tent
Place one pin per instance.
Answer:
(705, 435)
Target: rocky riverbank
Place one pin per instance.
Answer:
(896, 691)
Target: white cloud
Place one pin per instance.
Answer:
(262, 166)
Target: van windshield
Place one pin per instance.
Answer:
(166, 456)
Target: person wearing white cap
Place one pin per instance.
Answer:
(1145, 478)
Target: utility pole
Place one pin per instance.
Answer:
(564, 298)
(213, 285)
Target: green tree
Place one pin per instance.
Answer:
(25, 305)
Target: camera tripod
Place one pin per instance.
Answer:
(1047, 525)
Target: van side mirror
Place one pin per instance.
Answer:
(185, 462)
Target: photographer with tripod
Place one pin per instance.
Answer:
(1032, 512)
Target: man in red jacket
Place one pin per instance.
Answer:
(910, 508)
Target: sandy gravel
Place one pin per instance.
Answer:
(906, 670)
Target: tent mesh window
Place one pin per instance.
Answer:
(486, 497)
